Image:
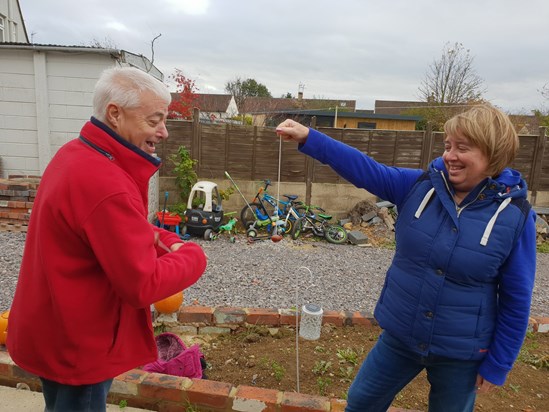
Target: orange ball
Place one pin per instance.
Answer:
(4, 327)
(170, 304)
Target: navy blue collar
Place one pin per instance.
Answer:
(154, 160)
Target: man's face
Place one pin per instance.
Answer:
(145, 125)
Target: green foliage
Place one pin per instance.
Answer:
(189, 407)
(158, 329)
(123, 403)
(526, 356)
(543, 118)
(278, 370)
(226, 193)
(185, 175)
(543, 247)
(347, 355)
(321, 367)
(241, 89)
(323, 384)
(346, 373)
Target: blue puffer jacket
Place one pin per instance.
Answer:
(461, 280)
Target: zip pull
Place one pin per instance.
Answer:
(97, 148)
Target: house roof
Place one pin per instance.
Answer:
(22, 21)
(213, 102)
(396, 106)
(134, 60)
(354, 115)
(259, 105)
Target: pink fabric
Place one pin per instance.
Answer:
(174, 358)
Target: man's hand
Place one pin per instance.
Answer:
(176, 246)
(292, 131)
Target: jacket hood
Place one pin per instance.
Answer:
(509, 183)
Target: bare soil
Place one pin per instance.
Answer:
(266, 358)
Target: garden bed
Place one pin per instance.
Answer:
(265, 357)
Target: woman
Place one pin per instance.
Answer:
(457, 295)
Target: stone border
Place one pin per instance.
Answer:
(168, 393)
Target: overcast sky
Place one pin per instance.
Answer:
(347, 49)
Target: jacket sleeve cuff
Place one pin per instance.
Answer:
(492, 372)
(312, 145)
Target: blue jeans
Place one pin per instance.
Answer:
(81, 398)
(390, 366)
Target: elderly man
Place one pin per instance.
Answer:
(93, 264)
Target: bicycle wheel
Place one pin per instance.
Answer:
(297, 228)
(335, 234)
(246, 216)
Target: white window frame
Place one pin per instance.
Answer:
(13, 32)
(3, 22)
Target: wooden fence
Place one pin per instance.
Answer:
(251, 152)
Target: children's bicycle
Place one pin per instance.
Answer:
(319, 224)
(264, 206)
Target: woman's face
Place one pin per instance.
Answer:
(466, 164)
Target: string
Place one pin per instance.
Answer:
(297, 320)
(278, 184)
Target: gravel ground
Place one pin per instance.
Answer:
(268, 275)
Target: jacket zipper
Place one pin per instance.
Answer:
(94, 146)
(460, 209)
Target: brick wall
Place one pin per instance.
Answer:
(17, 194)
(158, 392)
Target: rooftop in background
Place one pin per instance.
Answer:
(259, 105)
(131, 59)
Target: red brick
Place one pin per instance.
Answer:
(229, 315)
(133, 376)
(269, 397)
(21, 373)
(258, 316)
(337, 405)
(334, 317)
(172, 407)
(296, 402)
(196, 314)
(29, 205)
(360, 319)
(209, 393)
(287, 317)
(160, 386)
(5, 362)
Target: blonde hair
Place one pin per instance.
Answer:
(123, 86)
(490, 130)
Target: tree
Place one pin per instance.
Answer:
(183, 103)
(241, 89)
(452, 79)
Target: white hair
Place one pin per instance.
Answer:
(123, 86)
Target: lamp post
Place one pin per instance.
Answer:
(335, 118)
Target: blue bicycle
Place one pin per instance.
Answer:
(264, 207)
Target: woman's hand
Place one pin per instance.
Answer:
(482, 385)
(292, 131)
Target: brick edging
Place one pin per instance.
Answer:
(160, 392)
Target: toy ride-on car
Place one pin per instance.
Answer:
(204, 214)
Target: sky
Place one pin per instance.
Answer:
(361, 50)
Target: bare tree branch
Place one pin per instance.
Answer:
(452, 78)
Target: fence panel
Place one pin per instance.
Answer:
(252, 153)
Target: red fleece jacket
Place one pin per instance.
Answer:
(90, 269)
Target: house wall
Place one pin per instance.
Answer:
(45, 97)
(383, 124)
(14, 29)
